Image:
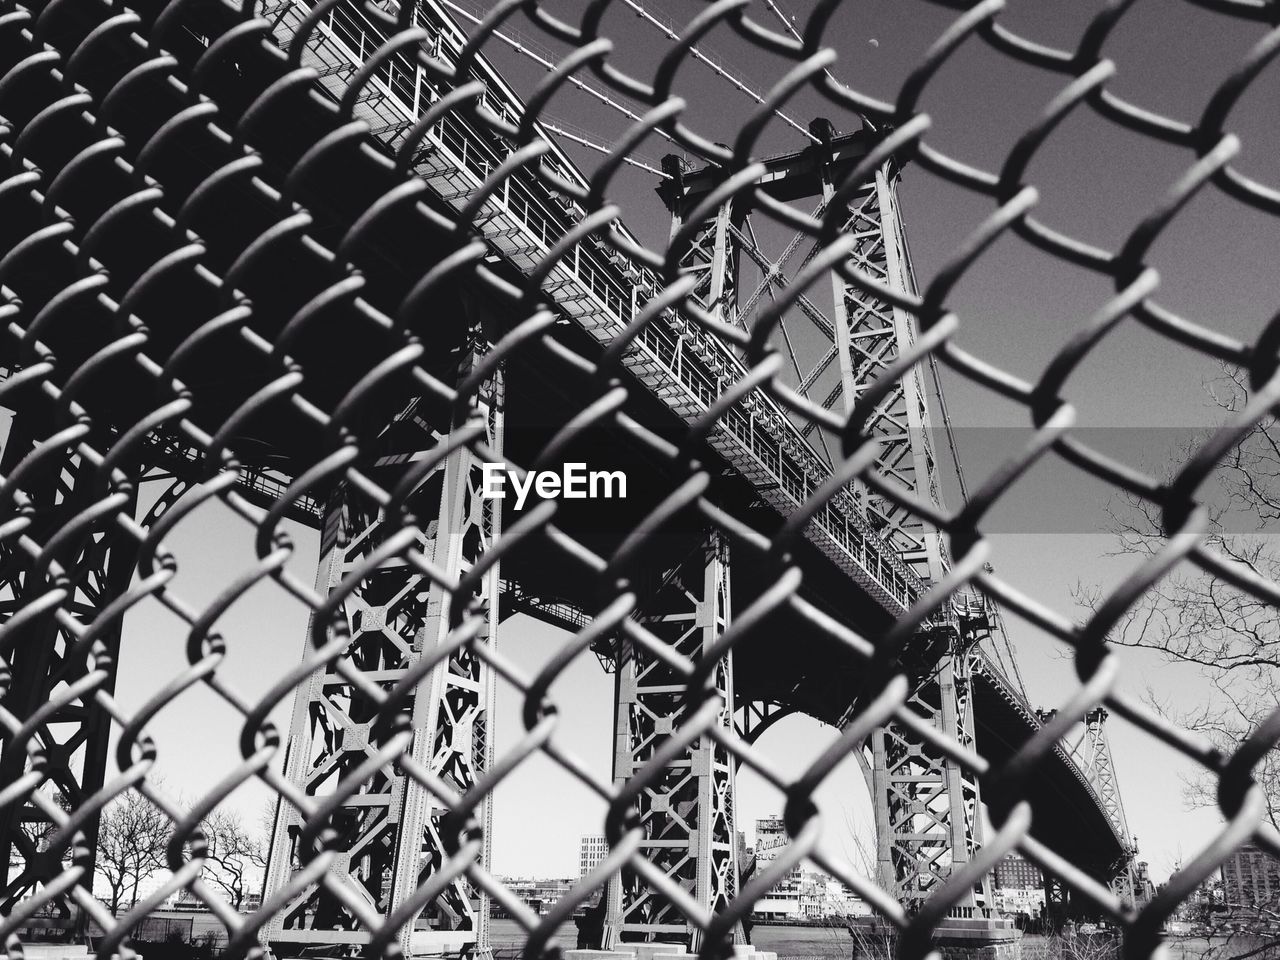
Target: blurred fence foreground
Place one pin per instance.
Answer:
(321, 263)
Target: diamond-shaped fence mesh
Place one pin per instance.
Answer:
(318, 263)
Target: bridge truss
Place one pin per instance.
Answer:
(926, 806)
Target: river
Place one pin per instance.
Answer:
(833, 943)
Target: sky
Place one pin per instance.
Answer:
(1138, 395)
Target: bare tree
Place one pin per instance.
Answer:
(1227, 635)
(237, 855)
(132, 834)
(35, 829)
(1194, 618)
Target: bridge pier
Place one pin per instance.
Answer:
(927, 807)
(967, 933)
(45, 658)
(688, 813)
(391, 832)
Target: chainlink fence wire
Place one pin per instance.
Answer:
(125, 139)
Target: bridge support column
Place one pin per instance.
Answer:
(1125, 881)
(714, 251)
(927, 805)
(390, 830)
(1057, 902)
(870, 335)
(90, 569)
(688, 814)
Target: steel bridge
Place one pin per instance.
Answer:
(220, 262)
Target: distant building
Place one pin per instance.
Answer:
(800, 894)
(782, 902)
(1204, 901)
(536, 893)
(1143, 888)
(1251, 880)
(1018, 887)
(1016, 872)
(591, 851)
(825, 898)
(1012, 901)
(771, 837)
(184, 899)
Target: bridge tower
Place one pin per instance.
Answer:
(390, 832)
(689, 813)
(1102, 770)
(45, 665)
(1102, 774)
(1090, 749)
(926, 806)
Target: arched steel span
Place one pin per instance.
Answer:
(1070, 817)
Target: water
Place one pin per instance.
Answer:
(790, 943)
(834, 943)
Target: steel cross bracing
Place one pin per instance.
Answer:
(688, 814)
(989, 671)
(457, 163)
(927, 808)
(391, 846)
(595, 286)
(1092, 755)
(1104, 771)
(47, 682)
(47, 57)
(864, 338)
(603, 292)
(926, 805)
(1089, 749)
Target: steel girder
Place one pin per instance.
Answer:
(43, 662)
(927, 808)
(391, 834)
(688, 813)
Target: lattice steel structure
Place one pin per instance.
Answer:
(396, 629)
(1092, 754)
(49, 680)
(690, 828)
(926, 806)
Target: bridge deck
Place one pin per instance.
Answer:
(676, 360)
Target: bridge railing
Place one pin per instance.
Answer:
(603, 290)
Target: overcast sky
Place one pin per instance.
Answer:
(1017, 306)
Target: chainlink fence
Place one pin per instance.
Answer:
(239, 257)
